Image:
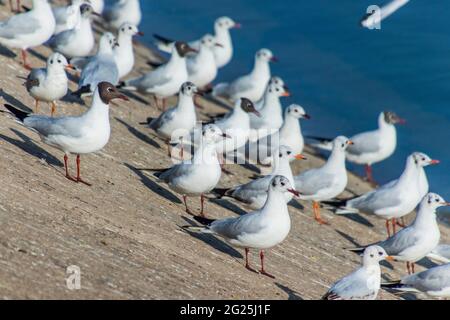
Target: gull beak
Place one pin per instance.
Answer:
(70, 67)
(237, 26)
(192, 50)
(286, 94)
(123, 97)
(300, 157)
(218, 45)
(390, 258)
(435, 162)
(401, 121)
(274, 59)
(294, 192)
(226, 136)
(351, 143)
(257, 113)
(446, 204)
(140, 33)
(306, 116)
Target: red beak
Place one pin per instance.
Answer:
(140, 33)
(123, 97)
(274, 59)
(435, 162)
(237, 26)
(306, 116)
(294, 192)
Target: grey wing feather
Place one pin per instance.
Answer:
(35, 78)
(61, 39)
(47, 126)
(233, 228)
(367, 142)
(353, 286)
(98, 70)
(309, 182)
(252, 189)
(162, 119)
(400, 241)
(19, 24)
(434, 279)
(152, 79)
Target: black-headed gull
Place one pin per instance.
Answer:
(99, 68)
(166, 80)
(222, 54)
(179, 121)
(373, 19)
(29, 29)
(49, 84)
(417, 240)
(122, 11)
(394, 199)
(78, 41)
(202, 69)
(79, 135)
(262, 229)
(290, 134)
(372, 146)
(252, 85)
(254, 193)
(364, 282)
(124, 52)
(326, 182)
(434, 282)
(440, 254)
(199, 175)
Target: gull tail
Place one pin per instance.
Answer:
(164, 44)
(340, 206)
(19, 114)
(154, 64)
(221, 192)
(358, 250)
(203, 229)
(397, 285)
(126, 85)
(83, 91)
(321, 143)
(147, 123)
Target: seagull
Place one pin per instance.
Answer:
(222, 54)
(271, 111)
(363, 283)
(29, 29)
(78, 41)
(199, 175)
(441, 253)
(254, 193)
(122, 11)
(99, 68)
(79, 135)
(419, 239)
(67, 17)
(236, 125)
(392, 200)
(262, 229)
(252, 85)
(202, 69)
(49, 84)
(434, 282)
(373, 19)
(289, 135)
(180, 120)
(166, 80)
(372, 146)
(124, 52)
(326, 182)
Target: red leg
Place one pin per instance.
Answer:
(79, 171)
(19, 7)
(24, 59)
(388, 229)
(369, 175)
(394, 226)
(317, 217)
(164, 102)
(408, 267)
(247, 264)
(202, 202)
(53, 108)
(263, 271)
(66, 166)
(188, 211)
(36, 106)
(413, 267)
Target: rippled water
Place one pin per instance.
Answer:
(342, 74)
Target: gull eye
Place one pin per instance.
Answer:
(129, 28)
(283, 184)
(423, 159)
(289, 152)
(280, 155)
(109, 90)
(51, 61)
(437, 200)
(59, 61)
(278, 90)
(343, 145)
(371, 255)
(296, 110)
(380, 253)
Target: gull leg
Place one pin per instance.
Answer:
(247, 264)
(202, 202)
(169, 148)
(36, 106)
(408, 267)
(164, 103)
(317, 217)
(66, 166)
(188, 211)
(182, 149)
(388, 229)
(19, 7)
(369, 175)
(79, 180)
(394, 226)
(53, 108)
(413, 267)
(402, 222)
(262, 271)
(24, 59)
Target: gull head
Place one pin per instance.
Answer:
(422, 160)
(130, 30)
(278, 81)
(208, 41)
(183, 48)
(265, 55)
(282, 184)
(58, 61)
(285, 152)
(109, 92)
(297, 112)
(392, 118)
(342, 143)
(212, 134)
(226, 23)
(374, 254)
(434, 201)
(278, 90)
(86, 10)
(188, 89)
(248, 106)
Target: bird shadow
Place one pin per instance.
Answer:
(251, 167)
(26, 144)
(348, 238)
(358, 219)
(296, 205)
(218, 102)
(212, 241)
(13, 101)
(7, 53)
(153, 186)
(292, 295)
(37, 55)
(229, 206)
(135, 97)
(138, 134)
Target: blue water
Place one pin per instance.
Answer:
(342, 74)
